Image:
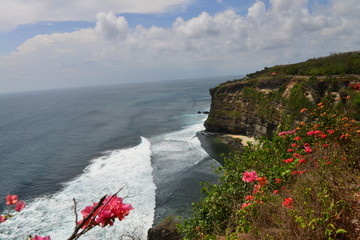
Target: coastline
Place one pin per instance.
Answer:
(220, 145)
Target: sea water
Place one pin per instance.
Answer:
(84, 143)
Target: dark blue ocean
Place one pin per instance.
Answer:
(86, 142)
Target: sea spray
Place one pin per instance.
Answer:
(179, 165)
(127, 169)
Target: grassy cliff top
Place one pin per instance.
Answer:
(337, 64)
(334, 64)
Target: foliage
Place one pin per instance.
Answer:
(334, 64)
(304, 189)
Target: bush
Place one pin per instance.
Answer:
(305, 186)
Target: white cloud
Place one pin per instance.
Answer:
(112, 27)
(223, 44)
(16, 12)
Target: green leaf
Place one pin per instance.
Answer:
(340, 230)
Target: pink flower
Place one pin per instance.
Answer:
(11, 199)
(245, 205)
(249, 176)
(112, 208)
(41, 238)
(19, 206)
(308, 150)
(2, 219)
(287, 132)
(105, 217)
(117, 207)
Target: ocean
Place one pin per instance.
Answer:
(83, 143)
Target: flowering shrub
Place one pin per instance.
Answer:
(300, 183)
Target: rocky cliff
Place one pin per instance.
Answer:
(257, 106)
(271, 99)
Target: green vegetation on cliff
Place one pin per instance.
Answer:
(270, 99)
(307, 186)
(303, 183)
(335, 64)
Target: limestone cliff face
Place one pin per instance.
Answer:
(258, 106)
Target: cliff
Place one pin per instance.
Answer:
(271, 99)
(301, 183)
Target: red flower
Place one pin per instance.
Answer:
(297, 138)
(2, 219)
(289, 160)
(344, 136)
(276, 191)
(277, 180)
(287, 202)
(11, 199)
(314, 132)
(262, 181)
(293, 145)
(249, 198)
(297, 172)
(19, 206)
(330, 131)
(290, 150)
(245, 205)
(302, 161)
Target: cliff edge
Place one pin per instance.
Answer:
(271, 99)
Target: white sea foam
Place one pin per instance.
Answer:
(53, 215)
(176, 151)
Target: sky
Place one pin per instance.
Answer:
(46, 44)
